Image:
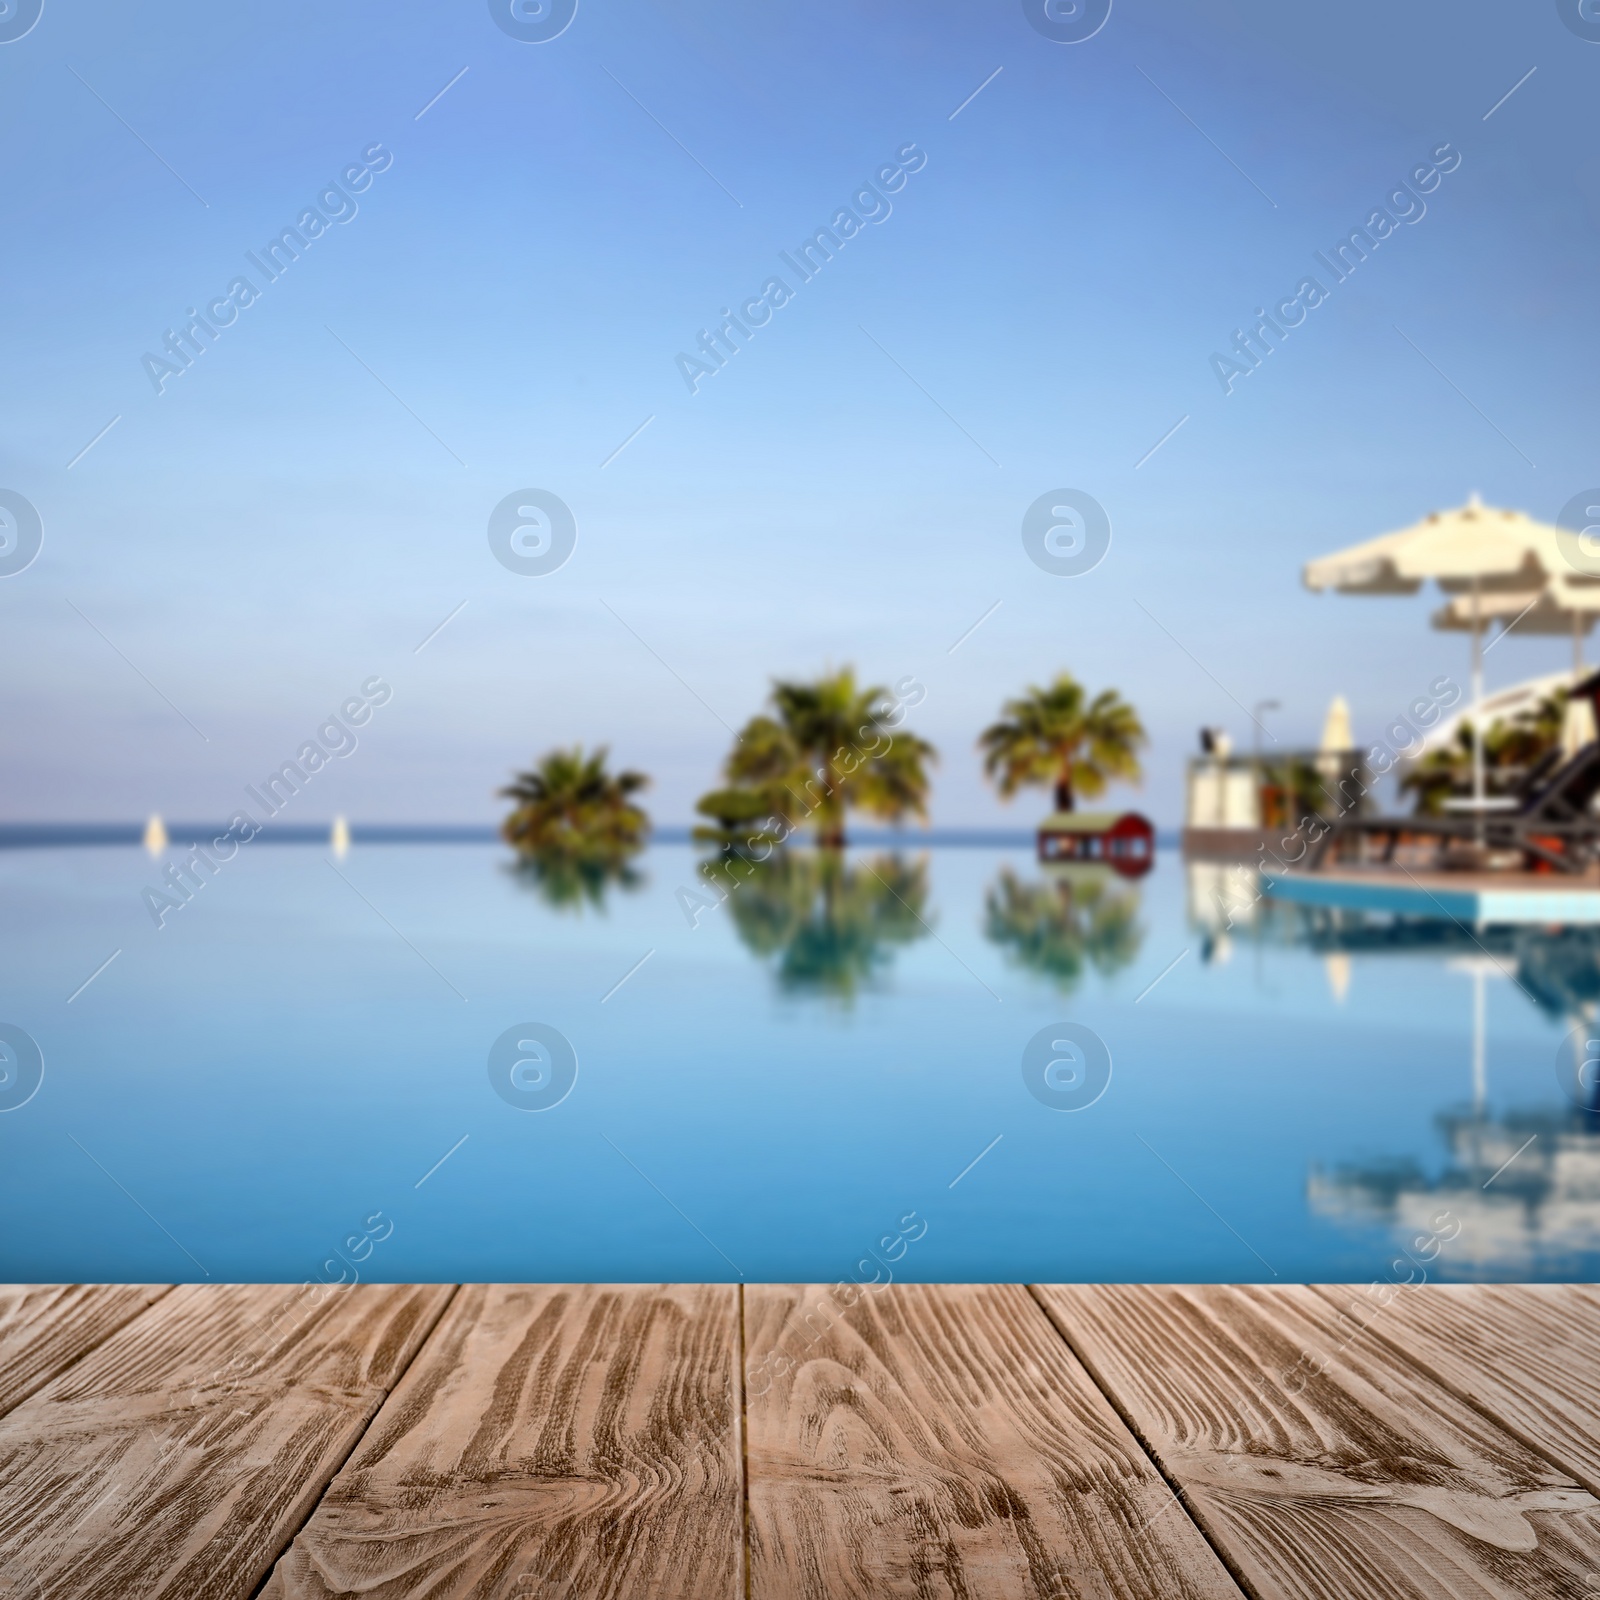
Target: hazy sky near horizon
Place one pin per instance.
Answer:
(306, 502)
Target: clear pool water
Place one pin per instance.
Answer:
(824, 1078)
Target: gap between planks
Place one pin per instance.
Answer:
(1131, 1423)
(744, 1458)
(133, 1465)
(580, 1438)
(355, 1444)
(1324, 1463)
(45, 1329)
(1462, 1336)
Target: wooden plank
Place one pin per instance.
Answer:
(176, 1461)
(941, 1440)
(1529, 1354)
(551, 1440)
(45, 1327)
(1320, 1462)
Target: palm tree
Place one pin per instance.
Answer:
(1059, 735)
(740, 818)
(1537, 729)
(569, 807)
(827, 748)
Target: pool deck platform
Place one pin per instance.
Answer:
(1476, 897)
(718, 1442)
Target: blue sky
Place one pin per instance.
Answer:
(304, 504)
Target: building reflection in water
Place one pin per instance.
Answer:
(1525, 1185)
(827, 926)
(1071, 918)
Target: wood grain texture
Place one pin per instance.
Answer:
(1319, 1461)
(45, 1327)
(175, 1461)
(550, 1440)
(936, 1441)
(1528, 1353)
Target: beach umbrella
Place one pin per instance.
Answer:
(1562, 607)
(1338, 741)
(1337, 737)
(1475, 551)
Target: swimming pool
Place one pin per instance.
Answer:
(945, 1064)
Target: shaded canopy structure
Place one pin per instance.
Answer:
(1484, 557)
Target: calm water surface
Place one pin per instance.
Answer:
(824, 1078)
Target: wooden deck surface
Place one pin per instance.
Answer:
(712, 1442)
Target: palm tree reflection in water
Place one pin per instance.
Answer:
(829, 926)
(567, 882)
(1079, 918)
